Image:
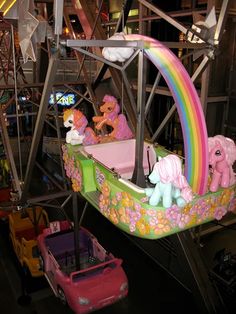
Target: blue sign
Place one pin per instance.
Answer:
(62, 99)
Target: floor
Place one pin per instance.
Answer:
(151, 289)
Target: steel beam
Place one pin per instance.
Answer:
(86, 17)
(172, 21)
(81, 61)
(9, 154)
(196, 275)
(138, 176)
(76, 230)
(221, 21)
(52, 68)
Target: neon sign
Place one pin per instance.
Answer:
(62, 99)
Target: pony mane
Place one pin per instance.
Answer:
(116, 109)
(67, 113)
(227, 144)
(111, 99)
(169, 169)
(80, 121)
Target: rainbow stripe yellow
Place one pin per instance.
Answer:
(189, 109)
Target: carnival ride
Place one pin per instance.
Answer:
(119, 193)
(104, 173)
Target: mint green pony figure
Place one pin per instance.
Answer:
(169, 182)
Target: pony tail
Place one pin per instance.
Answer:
(186, 191)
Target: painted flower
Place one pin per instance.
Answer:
(65, 157)
(160, 224)
(225, 197)
(105, 189)
(114, 201)
(124, 215)
(137, 206)
(134, 215)
(144, 199)
(153, 221)
(69, 167)
(173, 214)
(107, 212)
(143, 211)
(127, 200)
(202, 208)
(114, 216)
(192, 220)
(187, 209)
(132, 227)
(75, 185)
(232, 205)
(118, 196)
(183, 221)
(151, 212)
(64, 148)
(220, 212)
(143, 227)
(103, 203)
(162, 227)
(100, 177)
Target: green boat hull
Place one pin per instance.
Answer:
(126, 205)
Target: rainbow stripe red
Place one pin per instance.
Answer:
(189, 109)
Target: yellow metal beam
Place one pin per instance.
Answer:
(6, 5)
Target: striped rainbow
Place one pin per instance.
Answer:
(189, 109)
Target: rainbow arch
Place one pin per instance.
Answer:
(189, 109)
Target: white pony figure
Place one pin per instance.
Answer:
(73, 136)
(169, 183)
(79, 132)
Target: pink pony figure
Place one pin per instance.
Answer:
(169, 183)
(222, 154)
(79, 132)
(111, 117)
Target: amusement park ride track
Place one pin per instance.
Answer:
(183, 241)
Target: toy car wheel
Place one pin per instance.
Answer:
(61, 295)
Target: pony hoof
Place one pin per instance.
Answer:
(153, 201)
(149, 191)
(213, 188)
(180, 202)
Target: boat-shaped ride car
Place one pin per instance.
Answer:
(102, 173)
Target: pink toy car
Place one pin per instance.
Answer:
(98, 281)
